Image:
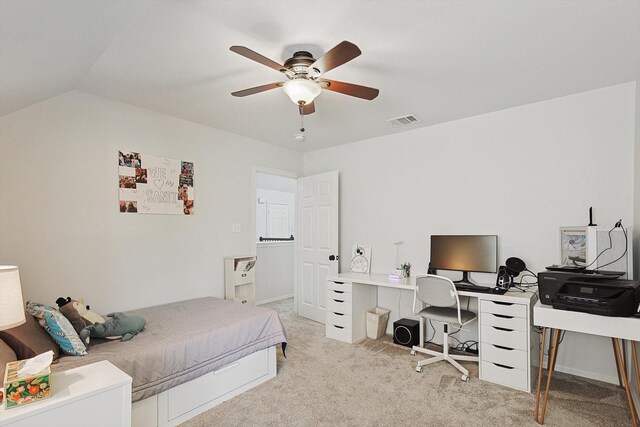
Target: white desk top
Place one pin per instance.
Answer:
(67, 387)
(409, 283)
(627, 328)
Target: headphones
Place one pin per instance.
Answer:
(515, 266)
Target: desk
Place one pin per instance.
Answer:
(507, 347)
(618, 328)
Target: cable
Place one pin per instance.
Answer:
(606, 249)
(430, 340)
(626, 246)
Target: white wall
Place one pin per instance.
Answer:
(274, 271)
(267, 181)
(520, 173)
(636, 181)
(59, 218)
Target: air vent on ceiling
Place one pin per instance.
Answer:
(403, 121)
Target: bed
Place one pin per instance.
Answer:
(191, 356)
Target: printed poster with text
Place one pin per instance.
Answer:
(155, 185)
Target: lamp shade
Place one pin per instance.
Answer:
(302, 90)
(11, 305)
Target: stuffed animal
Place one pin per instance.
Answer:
(117, 324)
(77, 313)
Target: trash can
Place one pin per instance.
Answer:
(377, 319)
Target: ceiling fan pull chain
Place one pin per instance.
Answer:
(300, 107)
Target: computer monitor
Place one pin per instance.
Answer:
(464, 253)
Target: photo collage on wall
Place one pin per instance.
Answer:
(155, 185)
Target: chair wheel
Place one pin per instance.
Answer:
(465, 378)
(418, 368)
(413, 352)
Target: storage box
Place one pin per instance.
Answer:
(22, 390)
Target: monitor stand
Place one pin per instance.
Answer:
(465, 279)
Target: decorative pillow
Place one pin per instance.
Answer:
(59, 328)
(29, 339)
(6, 355)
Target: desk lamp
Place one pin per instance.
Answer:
(11, 304)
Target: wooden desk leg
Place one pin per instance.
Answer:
(613, 343)
(535, 415)
(635, 363)
(554, 352)
(623, 373)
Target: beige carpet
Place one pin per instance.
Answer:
(327, 383)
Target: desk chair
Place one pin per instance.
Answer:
(443, 306)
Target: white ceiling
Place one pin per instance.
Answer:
(438, 60)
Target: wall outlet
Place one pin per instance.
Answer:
(235, 227)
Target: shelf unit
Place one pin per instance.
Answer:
(240, 279)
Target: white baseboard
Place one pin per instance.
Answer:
(585, 374)
(280, 298)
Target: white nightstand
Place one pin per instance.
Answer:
(96, 395)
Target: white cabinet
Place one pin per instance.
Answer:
(240, 279)
(347, 304)
(508, 349)
(100, 391)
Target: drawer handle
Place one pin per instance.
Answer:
(338, 300)
(244, 274)
(502, 303)
(502, 316)
(502, 366)
(501, 347)
(339, 327)
(338, 314)
(226, 368)
(339, 283)
(502, 329)
(338, 292)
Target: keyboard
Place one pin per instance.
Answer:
(480, 289)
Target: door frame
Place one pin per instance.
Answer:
(254, 244)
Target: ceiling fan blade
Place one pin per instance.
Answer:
(358, 91)
(308, 109)
(255, 56)
(256, 89)
(343, 52)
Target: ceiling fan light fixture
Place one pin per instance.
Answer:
(301, 90)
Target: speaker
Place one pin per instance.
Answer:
(505, 279)
(406, 332)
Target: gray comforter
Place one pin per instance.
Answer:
(184, 340)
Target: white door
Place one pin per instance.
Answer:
(317, 242)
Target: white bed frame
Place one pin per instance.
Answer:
(185, 401)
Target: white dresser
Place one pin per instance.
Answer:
(508, 347)
(98, 395)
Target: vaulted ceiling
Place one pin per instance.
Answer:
(437, 60)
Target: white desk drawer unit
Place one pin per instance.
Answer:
(339, 319)
(338, 325)
(504, 344)
(339, 306)
(339, 295)
(347, 304)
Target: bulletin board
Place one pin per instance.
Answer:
(155, 185)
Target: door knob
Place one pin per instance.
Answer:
(332, 257)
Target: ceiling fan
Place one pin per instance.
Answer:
(304, 73)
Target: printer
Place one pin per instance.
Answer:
(590, 292)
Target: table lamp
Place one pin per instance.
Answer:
(11, 304)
